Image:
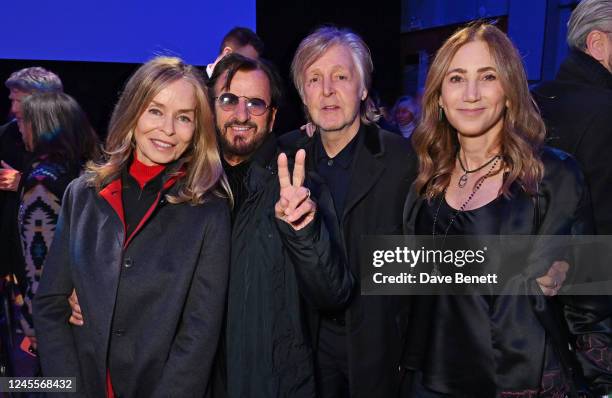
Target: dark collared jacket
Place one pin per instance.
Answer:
(152, 309)
(561, 207)
(576, 108)
(382, 171)
(13, 152)
(276, 273)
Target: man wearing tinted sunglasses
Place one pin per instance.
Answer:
(281, 254)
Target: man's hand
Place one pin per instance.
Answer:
(76, 318)
(294, 205)
(309, 129)
(9, 177)
(554, 278)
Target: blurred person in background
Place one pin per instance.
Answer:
(60, 138)
(405, 115)
(239, 40)
(21, 84)
(14, 156)
(577, 105)
(576, 108)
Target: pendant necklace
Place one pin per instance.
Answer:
(436, 270)
(464, 178)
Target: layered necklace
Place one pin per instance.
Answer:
(495, 160)
(464, 178)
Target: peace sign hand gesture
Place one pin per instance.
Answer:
(294, 205)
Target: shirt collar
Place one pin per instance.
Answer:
(209, 70)
(344, 157)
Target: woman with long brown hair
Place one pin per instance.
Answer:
(483, 170)
(143, 238)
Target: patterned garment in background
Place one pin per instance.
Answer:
(38, 212)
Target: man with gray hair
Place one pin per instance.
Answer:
(20, 84)
(363, 174)
(13, 154)
(577, 110)
(577, 105)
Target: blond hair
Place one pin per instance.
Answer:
(201, 161)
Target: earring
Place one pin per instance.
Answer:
(440, 113)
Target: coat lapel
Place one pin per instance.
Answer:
(367, 169)
(412, 206)
(112, 195)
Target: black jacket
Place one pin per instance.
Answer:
(13, 152)
(276, 273)
(382, 171)
(153, 310)
(560, 208)
(577, 110)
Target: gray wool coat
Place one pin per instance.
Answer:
(152, 310)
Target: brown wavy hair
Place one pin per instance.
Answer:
(435, 141)
(201, 161)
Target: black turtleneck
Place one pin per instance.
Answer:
(236, 176)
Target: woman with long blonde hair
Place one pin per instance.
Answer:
(483, 170)
(143, 238)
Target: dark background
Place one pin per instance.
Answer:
(281, 25)
(401, 46)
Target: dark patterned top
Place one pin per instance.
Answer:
(40, 201)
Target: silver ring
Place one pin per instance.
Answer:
(556, 285)
(308, 197)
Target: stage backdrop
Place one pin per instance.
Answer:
(119, 31)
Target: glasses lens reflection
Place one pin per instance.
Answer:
(255, 106)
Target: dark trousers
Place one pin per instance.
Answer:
(332, 361)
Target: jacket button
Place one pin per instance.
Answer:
(127, 263)
(119, 332)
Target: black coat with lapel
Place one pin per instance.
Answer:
(13, 152)
(152, 310)
(382, 171)
(577, 110)
(561, 207)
